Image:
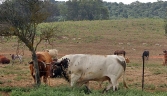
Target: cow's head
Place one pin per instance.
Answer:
(60, 69)
(165, 51)
(55, 70)
(43, 67)
(65, 62)
(40, 63)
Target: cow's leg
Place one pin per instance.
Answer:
(108, 87)
(87, 87)
(20, 60)
(45, 79)
(32, 71)
(12, 61)
(147, 57)
(74, 78)
(163, 62)
(113, 83)
(100, 84)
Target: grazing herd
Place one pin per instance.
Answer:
(79, 69)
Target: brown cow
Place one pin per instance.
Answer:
(165, 57)
(127, 60)
(44, 63)
(4, 60)
(118, 52)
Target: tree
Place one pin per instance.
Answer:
(20, 18)
(86, 10)
(165, 26)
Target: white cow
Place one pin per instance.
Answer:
(53, 53)
(84, 68)
(15, 56)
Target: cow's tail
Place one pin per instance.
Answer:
(124, 80)
(123, 63)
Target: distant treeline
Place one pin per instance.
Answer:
(99, 10)
(137, 10)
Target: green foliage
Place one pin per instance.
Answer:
(82, 9)
(165, 26)
(76, 91)
(100, 10)
(85, 10)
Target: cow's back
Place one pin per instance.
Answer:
(52, 52)
(95, 66)
(4, 60)
(92, 59)
(44, 56)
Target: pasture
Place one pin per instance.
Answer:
(95, 37)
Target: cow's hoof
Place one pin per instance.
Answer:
(87, 91)
(116, 89)
(104, 91)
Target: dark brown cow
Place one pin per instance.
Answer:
(118, 52)
(44, 64)
(4, 60)
(146, 54)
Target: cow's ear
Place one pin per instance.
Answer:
(68, 60)
(31, 62)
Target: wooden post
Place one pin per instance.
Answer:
(143, 75)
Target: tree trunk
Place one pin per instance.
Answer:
(37, 77)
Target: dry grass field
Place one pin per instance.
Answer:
(100, 37)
